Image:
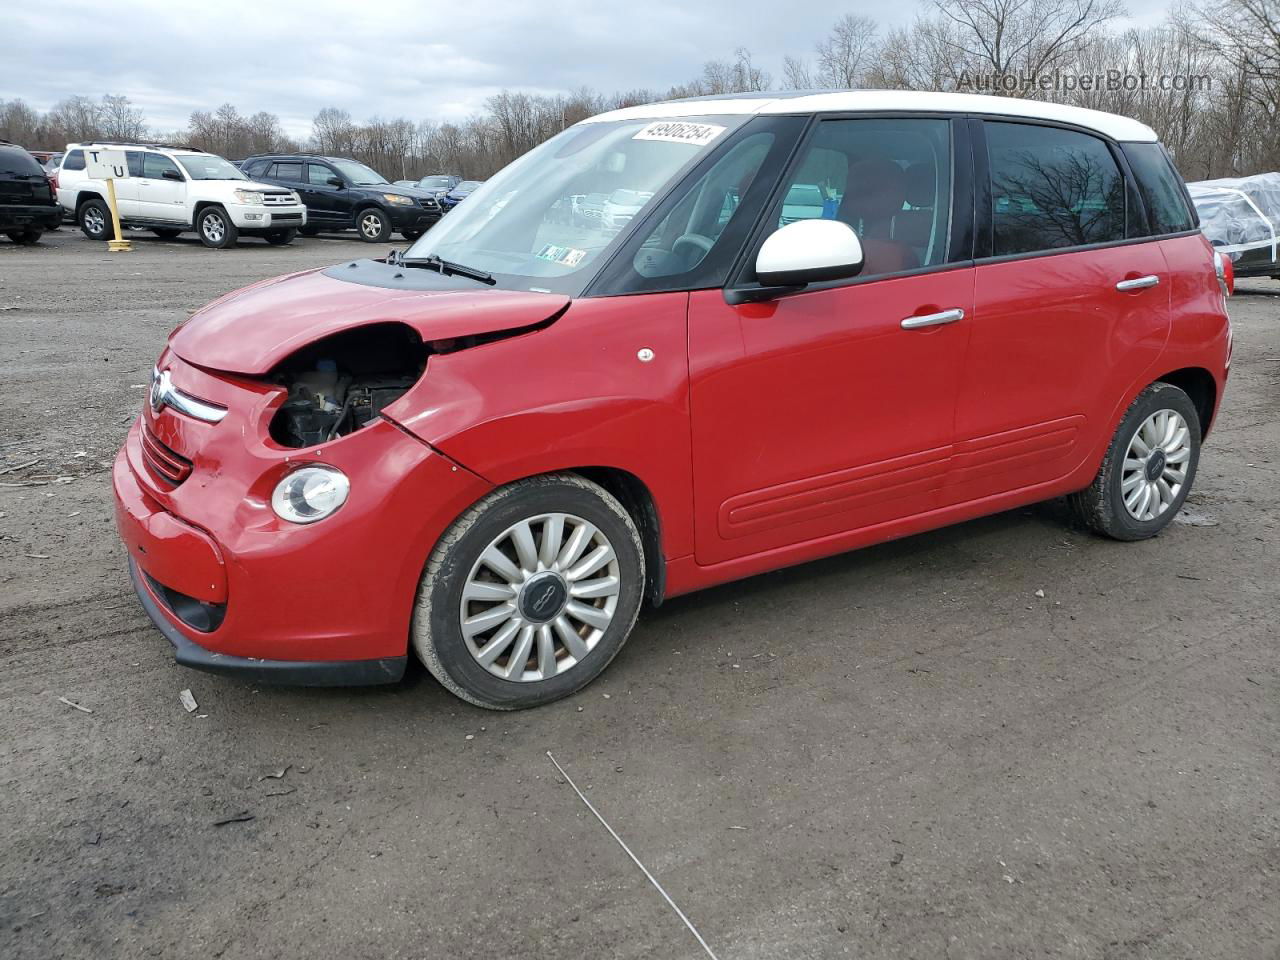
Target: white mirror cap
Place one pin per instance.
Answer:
(809, 251)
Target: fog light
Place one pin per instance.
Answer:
(253, 216)
(310, 494)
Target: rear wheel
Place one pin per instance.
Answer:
(95, 220)
(1149, 467)
(279, 238)
(373, 225)
(215, 228)
(530, 593)
(25, 237)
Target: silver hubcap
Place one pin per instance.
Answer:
(214, 228)
(94, 221)
(540, 597)
(1155, 465)
(371, 225)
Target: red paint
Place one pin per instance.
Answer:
(766, 434)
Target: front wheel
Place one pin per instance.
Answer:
(25, 237)
(1149, 467)
(166, 233)
(411, 235)
(530, 593)
(215, 228)
(373, 225)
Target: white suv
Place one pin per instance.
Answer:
(171, 190)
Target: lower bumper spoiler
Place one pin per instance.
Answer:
(300, 673)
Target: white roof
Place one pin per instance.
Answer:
(1110, 124)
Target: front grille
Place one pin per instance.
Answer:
(286, 218)
(169, 466)
(278, 200)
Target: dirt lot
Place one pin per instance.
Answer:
(902, 752)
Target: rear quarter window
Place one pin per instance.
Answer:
(73, 160)
(1161, 188)
(15, 160)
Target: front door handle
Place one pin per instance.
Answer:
(1139, 283)
(933, 319)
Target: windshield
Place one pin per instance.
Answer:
(358, 173)
(435, 183)
(546, 221)
(203, 166)
(466, 186)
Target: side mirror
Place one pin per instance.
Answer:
(334, 181)
(809, 251)
(172, 175)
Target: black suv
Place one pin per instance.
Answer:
(27, 205)
(345, 194)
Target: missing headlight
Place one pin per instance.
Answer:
(342, 383)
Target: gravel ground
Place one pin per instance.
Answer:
(901, 752)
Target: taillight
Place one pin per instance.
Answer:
(53, 182)
(1226, 272)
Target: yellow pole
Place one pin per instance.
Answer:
(119, 244)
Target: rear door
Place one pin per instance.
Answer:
(1072, 307)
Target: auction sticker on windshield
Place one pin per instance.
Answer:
(680, 131)
(568, 256)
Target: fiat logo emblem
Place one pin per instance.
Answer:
(160, 389)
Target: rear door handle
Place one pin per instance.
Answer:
(933, 319)
(1139, 283)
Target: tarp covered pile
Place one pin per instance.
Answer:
(1241, 218)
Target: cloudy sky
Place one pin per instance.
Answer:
(395, 57)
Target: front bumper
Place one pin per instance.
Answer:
(237, 590)
(262, 217)
(43, 216)
(297, 673)
(412, 218)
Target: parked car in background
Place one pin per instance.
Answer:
(1241, 218)
(51, 165)
(27, 205)
(494, 448)
(343, 194)
(458, 193)
(173, 190)
(438, 184)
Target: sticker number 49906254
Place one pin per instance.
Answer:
(681, 131)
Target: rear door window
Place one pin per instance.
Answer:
(1161, 188)
(288, 170)
(135, 162)
(1052, 188)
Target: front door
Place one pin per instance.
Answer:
(832, 410)
(325, 201)
(160, 195)
(1069, 312)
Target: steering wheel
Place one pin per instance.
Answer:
(695, 240)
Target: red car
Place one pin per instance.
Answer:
(836, 320)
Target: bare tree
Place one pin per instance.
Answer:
(121, 120)
(845, 54)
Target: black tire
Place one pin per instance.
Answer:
(279, 238)
(25, 237)
(309, 231)
(412, 235)
(166, 233)
(94, 217)
(215, 228)
(437, 621)
(1101, 505)
(373, 225)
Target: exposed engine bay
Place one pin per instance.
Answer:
(342, 383)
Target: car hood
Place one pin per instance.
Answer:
(250, 331)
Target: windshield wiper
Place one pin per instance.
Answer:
(433, 262)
